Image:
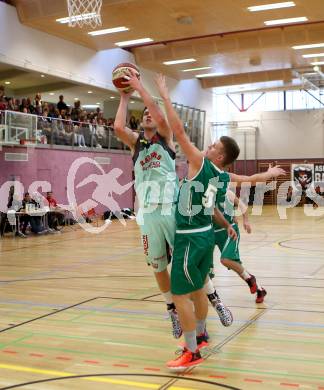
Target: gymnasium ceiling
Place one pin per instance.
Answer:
(219, 34)
(21, 82)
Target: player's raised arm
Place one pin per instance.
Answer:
(154, 109)
(193, 154)
(271, 173)
(243, 209)
(128, 136)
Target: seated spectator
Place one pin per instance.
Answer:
(61, 105)
(38, 99)
(78, 137)
(10, 104)
(52, 113)
(15, 104)
(110, 122)
(33, 220)
(23, 105)
(132, 123)
(68, 130)
(3, 102)
(44, 124)
(76, 111)
(14, 204)
(55, 218)
(56, 134)
(38, 110)
(102, 134)
(45, 106)
(83, 131)
(30, 107)
(2, 92)
(93, 132)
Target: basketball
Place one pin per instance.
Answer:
(119, 76)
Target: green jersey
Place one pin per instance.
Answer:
(225, 206)
(198, 195)
(156, 181)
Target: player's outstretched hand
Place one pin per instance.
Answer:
(276, 171)
(161, 86)
(247, 227)
(231, 233)
(132, 80)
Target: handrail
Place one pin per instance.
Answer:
(18, 128)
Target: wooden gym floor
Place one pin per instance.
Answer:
(82, 312)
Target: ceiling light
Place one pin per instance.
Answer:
(194, 69)
(98, 104)
(318, 63)
(108, 31)
(285, 21)
(184, 61)
(312, 46)
(132, 101)
(133, 42)
(52, 93)
(205, 75)
(89, 91)
(313, 55)
(7, 82)
(112, 97)
(266, 7)
(42, 75)
(76, 98)
(76, 18)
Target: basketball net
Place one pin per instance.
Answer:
(84, 13)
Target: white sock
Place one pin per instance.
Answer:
(245, 275)
(168, 297)
(209, 287)
(191, 340)
(200, 327)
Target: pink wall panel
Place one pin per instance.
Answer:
(53, 166)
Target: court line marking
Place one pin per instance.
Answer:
(282, 242)
(124, 311)
(75, 277)
(98, 378)
(72, 266)
(51, 242)
(317, 270)
(46, 315)
(218, 347)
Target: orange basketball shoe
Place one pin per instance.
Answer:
(186, 360)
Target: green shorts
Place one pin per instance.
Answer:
(228, 247)
(192, 256)
(157, 225)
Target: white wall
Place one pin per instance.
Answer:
(23, 46)
(286, 134)
(35, 50)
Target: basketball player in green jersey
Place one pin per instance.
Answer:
(194, 239)
(156, 185)
(230, 255)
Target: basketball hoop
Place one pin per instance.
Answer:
(84, 13)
